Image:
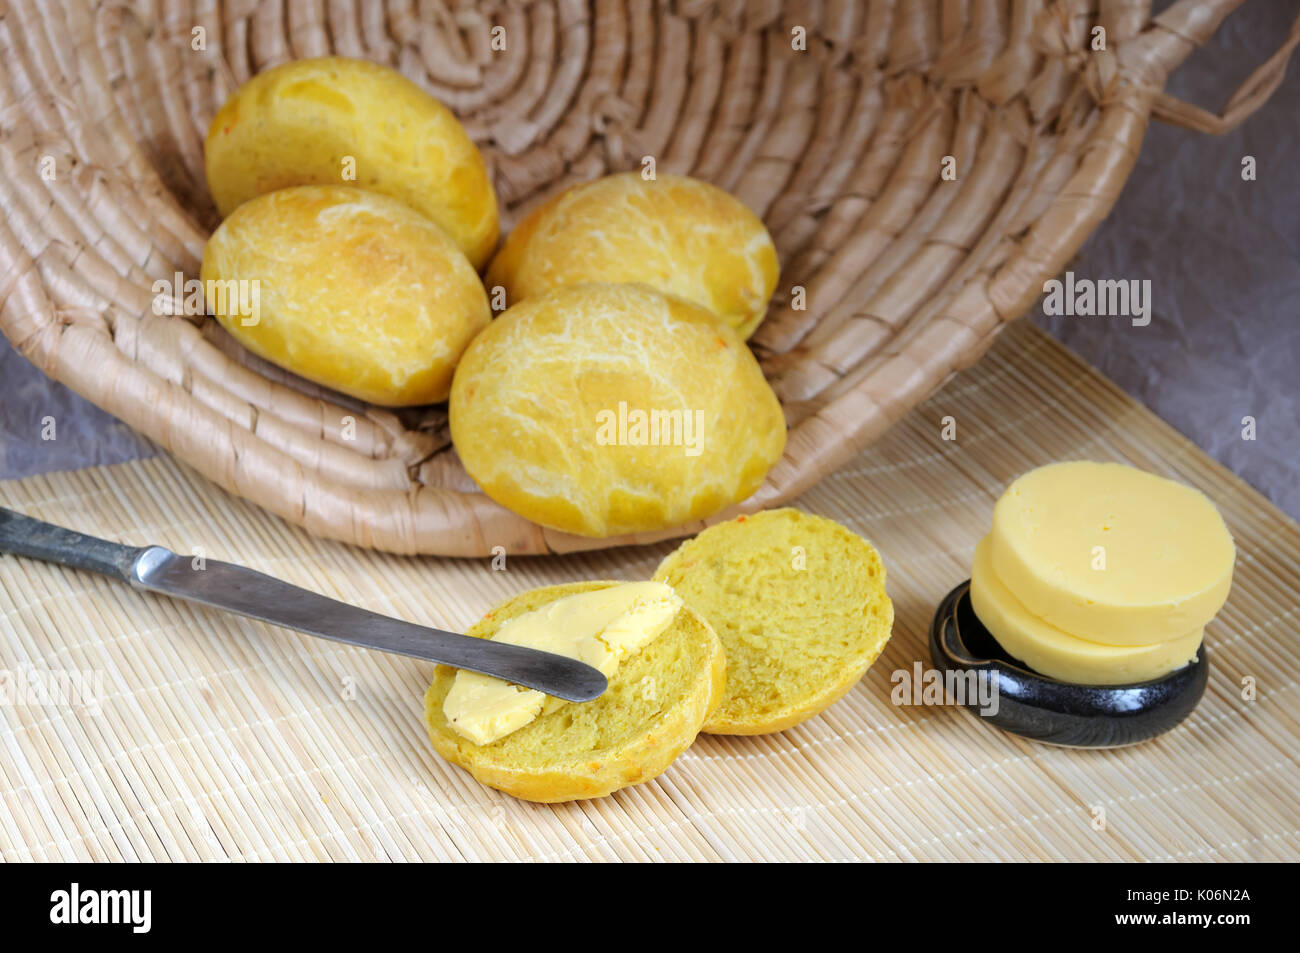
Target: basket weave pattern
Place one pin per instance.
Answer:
(893, 275)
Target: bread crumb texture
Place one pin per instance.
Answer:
(655, 705)
(677, 234)
(799, 603)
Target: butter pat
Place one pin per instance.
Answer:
(1112, 554)
(1048, 650)
(601, 627)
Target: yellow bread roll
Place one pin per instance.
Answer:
(674, 233)
(608, 409)
(799, 603)
(653, 709)
(338, 121)
(1057, 654)
(1110, 553)
(600, 627)
(356, 292)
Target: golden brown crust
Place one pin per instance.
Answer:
(680, 235)
(645, 750)
(296, 123)
(544, 405)
(355, 291)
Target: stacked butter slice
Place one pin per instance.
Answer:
(1101, 574)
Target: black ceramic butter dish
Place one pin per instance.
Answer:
(1052, 711)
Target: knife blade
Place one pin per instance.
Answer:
(256, 595)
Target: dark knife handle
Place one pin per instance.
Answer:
(254, 594)
(24, 536)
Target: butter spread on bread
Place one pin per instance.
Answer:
(600, 627)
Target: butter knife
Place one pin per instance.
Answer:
(256, 595)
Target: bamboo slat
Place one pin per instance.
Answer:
(218, 738)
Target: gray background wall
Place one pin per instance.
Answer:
(1223, 257)
(1222, 254)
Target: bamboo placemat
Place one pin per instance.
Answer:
(218, 738)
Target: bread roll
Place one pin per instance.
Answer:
(653, 709)
(799, 603)
(606, 409)
(338, 121)
(356, 291)
(674, 233)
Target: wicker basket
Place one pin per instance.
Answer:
(906, 276)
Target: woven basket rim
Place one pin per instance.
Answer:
(1057, 125)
